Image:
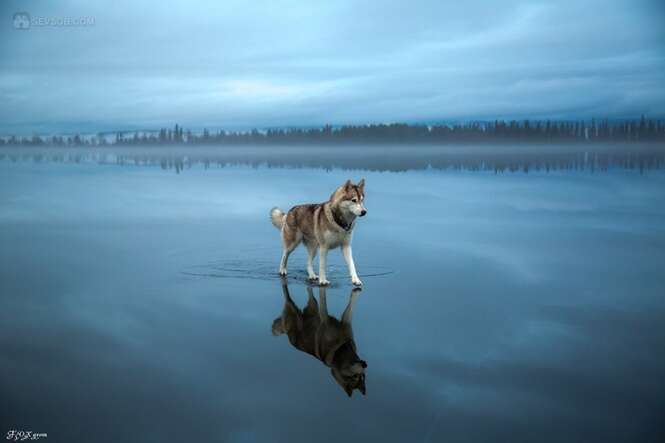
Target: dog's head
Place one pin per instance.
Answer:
(350, 198)
(351, 376)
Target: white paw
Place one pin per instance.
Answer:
(323, 282)
(313, 277)
(282, 272)
(357, 282)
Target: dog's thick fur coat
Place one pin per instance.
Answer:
(322, 226)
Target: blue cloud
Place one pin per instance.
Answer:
(240, 64)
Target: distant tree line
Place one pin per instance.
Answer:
(636, 130)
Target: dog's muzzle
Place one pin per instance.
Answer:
(363, 212)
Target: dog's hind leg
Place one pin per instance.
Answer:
(285, 259)
(290, 240)
(311, 253)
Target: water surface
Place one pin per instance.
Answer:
(137, 305)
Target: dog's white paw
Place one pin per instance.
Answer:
(323, 282)
(282, 272)
(357, 282)
(313, 277)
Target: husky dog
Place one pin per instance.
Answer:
(328, 339)
(322, 225)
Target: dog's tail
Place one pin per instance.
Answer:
(277, 217)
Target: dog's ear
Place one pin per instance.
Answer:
(347, 185)
(361, 184)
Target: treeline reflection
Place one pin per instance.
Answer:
(497, 158)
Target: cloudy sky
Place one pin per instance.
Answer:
(240, 64)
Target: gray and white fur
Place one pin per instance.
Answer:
(322, 226)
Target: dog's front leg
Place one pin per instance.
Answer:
(323, 258)
(348, 257)
(311, 252)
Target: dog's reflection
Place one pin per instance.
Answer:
(330, 340)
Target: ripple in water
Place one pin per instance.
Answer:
(267, 270)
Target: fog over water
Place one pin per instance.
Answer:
(593, 157)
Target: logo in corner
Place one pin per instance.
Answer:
(22, 21)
